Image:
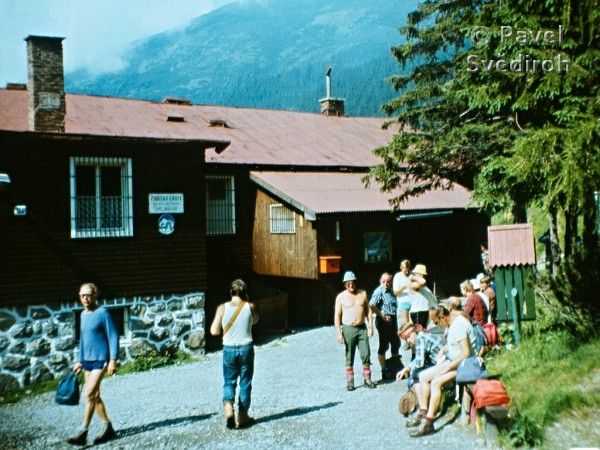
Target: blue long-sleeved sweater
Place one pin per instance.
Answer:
(99, 340)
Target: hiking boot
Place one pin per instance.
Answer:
(369, 384)
(79, 439)
(350, 385)
(425, 428)
(415, 420)
(108, 433)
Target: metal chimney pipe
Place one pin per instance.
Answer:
(328, 82)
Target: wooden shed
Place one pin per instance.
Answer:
(512, 258)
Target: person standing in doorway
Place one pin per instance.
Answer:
(235, 318)
(351, 312)
(98, 354)
(383, 305)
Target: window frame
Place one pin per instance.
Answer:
(126, 198)
(372, 245)
(282, 220)
(216, 226)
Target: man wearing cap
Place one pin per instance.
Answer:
(351, 310)
(383, 304)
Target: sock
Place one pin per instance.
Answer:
(349, 374)
(366, 372)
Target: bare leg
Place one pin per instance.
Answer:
(93, 402)
(436, 391)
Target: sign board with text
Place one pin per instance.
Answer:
(165, 203)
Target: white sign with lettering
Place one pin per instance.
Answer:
(165, 203)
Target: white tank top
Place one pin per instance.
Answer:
(240, 332)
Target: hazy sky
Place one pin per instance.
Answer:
(96, 32)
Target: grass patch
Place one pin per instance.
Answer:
(31, 390)
(141, 364)
(548, 376)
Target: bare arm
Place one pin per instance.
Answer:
(215, 328)
(375, 310)
(337, 319)
(254, 312)
(369, 316)
(465, 352)
(416, 282)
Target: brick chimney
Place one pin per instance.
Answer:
(331, 106)
(46, 84)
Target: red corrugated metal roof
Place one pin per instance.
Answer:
(511, 245)
(318, 193)
(257, 136)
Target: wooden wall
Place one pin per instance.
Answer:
(288, 255)
(41, 263)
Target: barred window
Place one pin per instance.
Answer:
(282, 220)
(101, 197)
(220, 205)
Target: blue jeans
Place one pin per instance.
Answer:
(238, 361)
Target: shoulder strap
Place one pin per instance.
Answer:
(235, 315)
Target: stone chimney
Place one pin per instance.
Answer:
(331, 106)
(46, 84)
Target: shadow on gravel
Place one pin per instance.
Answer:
(296, 412)
(163, 423)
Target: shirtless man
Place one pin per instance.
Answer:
(351, 310)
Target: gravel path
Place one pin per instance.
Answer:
(299, 399)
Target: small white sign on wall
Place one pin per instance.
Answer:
(165, 203)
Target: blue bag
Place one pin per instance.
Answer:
(470, 370)
(68, 390)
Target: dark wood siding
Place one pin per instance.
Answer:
(41, 263)
(449, 246)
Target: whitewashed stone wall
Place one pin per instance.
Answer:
(38, 343)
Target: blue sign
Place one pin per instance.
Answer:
(166, 224)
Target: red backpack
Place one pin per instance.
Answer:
(490, 392)
(492, 334)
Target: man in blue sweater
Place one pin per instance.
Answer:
(98, 353)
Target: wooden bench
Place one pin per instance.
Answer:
(489, 419)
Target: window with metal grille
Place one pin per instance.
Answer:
(282, 220)
(220, 205)
(101, 197)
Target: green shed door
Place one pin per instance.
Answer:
(519, 277)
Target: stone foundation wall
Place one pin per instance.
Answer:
(38, 342)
